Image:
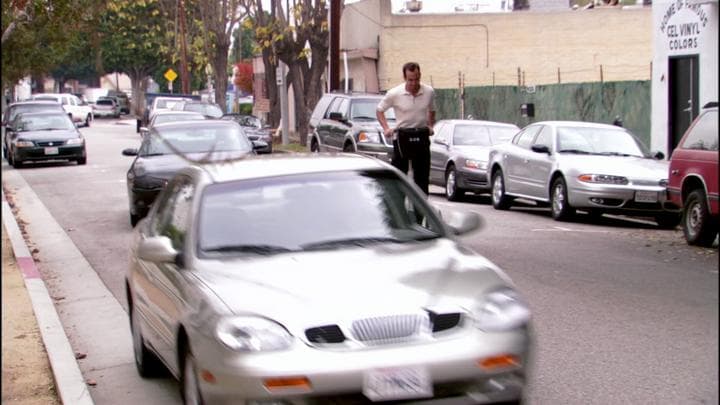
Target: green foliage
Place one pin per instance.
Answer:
(243, 44)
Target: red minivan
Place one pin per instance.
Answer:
(693, 180)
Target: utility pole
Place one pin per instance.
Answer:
(335, 12)
(280, 73)
(184, 74)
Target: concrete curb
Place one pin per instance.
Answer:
(69, 381)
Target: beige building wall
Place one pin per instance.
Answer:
(522, 47)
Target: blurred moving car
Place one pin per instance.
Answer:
(12, 110)
(106, 107)
(342, 122)
(42, 136)
(254, 129)
(598, 168)
(319, 279)
(209, 110)
(459, 153)
(693, 183)
(169, 147)
(79, 110)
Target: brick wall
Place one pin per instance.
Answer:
(526, 47)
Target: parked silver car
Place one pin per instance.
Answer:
(314, 278)
(598, 168)
(459, 154)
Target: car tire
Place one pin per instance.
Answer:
(189, 385)
(82, 160)
(559, 205)
(15, 162)
(500, 200)
(699, 227)
(314, 147)
(87, 120)
(349, 148)
(668, 220)
(452, 191)
(146, 362)
(134, 219)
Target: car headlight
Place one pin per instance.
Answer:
(476, 164)
(24, 144)
(501, 310)
(602, 178)
(368, 137)
(252, 334)
(663, 182)
(74, 141)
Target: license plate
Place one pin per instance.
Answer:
(51, 151)
(646, 196)
(397, 383)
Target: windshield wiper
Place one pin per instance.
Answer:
(615, 154)
(364, 117)
(152, 154)
(328, 244)
(577, 151)
(257, 249)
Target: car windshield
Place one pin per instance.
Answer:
(19, 109)
(366, 108)
(165, 103)
(163, 118)
(599, 141)
(44, 123)
(193, 139)
(210, 110)
(479, 135)
(312, 212)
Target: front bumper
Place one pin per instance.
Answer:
(339, 374)
(472, 179)
(620, 199)
(38, 153)
(142, 197)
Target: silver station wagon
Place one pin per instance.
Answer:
(304, 279)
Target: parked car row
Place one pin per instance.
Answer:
(567, 165)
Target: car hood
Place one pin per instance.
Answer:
(165, 166)
(319, 288)
(628, 166)
(48, 135)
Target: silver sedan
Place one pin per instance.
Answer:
(598, 168)
(459, 154)
(319, 279)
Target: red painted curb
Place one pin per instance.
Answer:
(28, 268)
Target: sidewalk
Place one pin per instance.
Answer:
(26, 375)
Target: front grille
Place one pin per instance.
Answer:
(325, 334)
(49, 143)
(390, 328)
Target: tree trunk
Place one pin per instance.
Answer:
(272, 90)
(220, 73)
(301, 108)
(139, 83)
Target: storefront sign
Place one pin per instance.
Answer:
(682, 24)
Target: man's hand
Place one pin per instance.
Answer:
(389, 133)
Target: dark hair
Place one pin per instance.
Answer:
(410, 66)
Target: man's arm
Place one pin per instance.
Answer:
(383, 122)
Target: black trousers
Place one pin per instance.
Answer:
(413, 145)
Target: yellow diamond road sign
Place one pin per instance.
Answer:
(170, 75)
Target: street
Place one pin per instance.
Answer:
(623, 312)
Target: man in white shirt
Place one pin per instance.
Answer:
(414, 105)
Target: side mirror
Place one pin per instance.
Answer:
(540, 149)
(157, 249)
(461, 222)
(659, 155)
(336, 116)
(130, 152)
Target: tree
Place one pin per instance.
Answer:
(243, 44)
(283, 35)
(140, 48)
(219, 18)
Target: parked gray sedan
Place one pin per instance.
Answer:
(598, 168)
(298, 279)
(459, 154)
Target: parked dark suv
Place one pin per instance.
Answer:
(346, 122)
(693, 180)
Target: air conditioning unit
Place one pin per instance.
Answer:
(413, 6)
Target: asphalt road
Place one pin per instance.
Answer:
(624, 313)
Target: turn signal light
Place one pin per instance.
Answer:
(207, 376)
(286, 382)
(502, 361)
